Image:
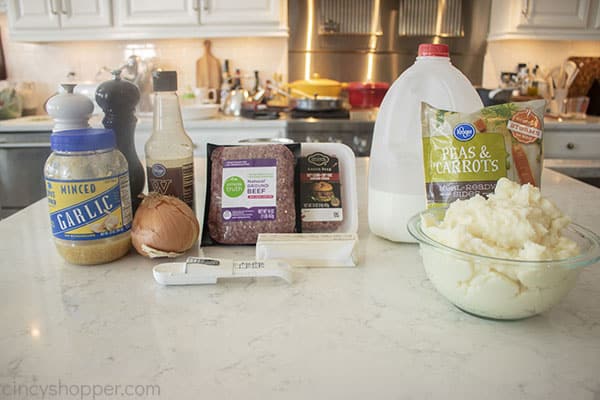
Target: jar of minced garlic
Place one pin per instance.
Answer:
(87, 184)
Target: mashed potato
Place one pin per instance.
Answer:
(515, 222)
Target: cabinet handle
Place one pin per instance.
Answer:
(525, 9)
(63, 7)
(52, 9)
(570, 146)
(206, 5)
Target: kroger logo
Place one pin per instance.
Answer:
(159, 170)
(464, 132)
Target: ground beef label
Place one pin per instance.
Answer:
(249, 190)
(320, 188)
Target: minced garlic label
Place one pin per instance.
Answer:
(89, 209)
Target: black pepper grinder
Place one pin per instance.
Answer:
(118, 99)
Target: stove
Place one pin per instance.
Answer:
(355, 134)
(323, 114)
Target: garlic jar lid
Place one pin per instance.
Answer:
(82, 140)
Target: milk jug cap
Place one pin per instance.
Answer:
(433, 50)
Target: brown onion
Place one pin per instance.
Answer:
(163, 223)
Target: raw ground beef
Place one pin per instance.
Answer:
(320, 226)
(246, 232)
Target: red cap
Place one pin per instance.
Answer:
(433, 50)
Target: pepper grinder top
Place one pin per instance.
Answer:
(117, 96)
(69, 110)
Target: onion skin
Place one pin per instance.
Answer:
(164, 223)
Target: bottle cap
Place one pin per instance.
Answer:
(164, 81)
(83, 140)
(433, 50)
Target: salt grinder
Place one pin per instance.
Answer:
(69, 110)
(118, 99)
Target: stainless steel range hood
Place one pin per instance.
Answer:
(361, 40)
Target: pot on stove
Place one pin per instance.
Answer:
(316, 86)
(366, 94)
(316, 103)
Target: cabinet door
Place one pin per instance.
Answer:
(554, 13)
(572, 145)
(32, 14)
(158, 12)
(85, 13)
(247, 12)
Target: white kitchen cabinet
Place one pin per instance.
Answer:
(32, 14)
(58, 15)
(572, 139)
(554, 14)
(572, 145)
(85, 13)
(69, 20)
(155, 12)
(152, 19)
(247, 12)
(545, 19)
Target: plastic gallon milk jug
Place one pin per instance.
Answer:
(396, 177)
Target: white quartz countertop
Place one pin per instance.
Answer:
(44, 123)
(590, 123)
(379, 330)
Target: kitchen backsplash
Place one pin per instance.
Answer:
(47, 64)
(506, 54)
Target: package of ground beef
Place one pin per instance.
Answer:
(466, 154)
(250, 190)
(320, 192)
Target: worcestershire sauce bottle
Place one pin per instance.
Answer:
(169, 151)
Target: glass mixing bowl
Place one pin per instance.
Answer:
(502, 288)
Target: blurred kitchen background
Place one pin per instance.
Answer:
(357, 48)
(48, 63)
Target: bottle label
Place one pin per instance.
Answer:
(89, 209)
(249, 191)
(174, 178)
(320, 188)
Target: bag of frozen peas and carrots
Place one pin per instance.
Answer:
(465, 154)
